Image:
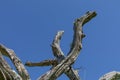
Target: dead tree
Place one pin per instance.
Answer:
(60, 64)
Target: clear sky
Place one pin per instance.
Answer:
(29, 26)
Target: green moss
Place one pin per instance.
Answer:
(116, 77)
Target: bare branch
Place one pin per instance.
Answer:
(60, 56)
(72, 74)
(6, 73)
(57, 52)
(43, 63)
(3, 50)
(17, 62)
(75, 49)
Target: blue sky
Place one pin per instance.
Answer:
(29, 26)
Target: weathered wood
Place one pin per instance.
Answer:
(16, 61)
(42, 63)
(60, 64)
(58, 53)
(6, 73)
(74, 51)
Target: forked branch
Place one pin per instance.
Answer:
(60, 64)
(74, 51)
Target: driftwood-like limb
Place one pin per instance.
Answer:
(63, 63)
(70, 72)
(43, 63)
(74, 51)
(16, 61)
(57, 52)
(6, 73)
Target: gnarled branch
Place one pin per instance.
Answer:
(6, 73)
(61, 64)
(70, 72)
(74, 51)
(16, 61)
